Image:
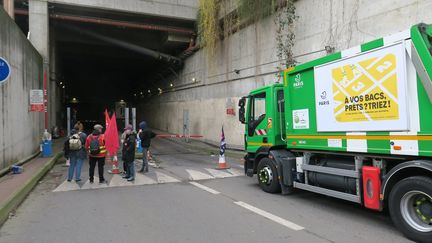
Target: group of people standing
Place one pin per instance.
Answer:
(78, 146)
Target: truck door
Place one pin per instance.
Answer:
(257, 132)
(280, 130)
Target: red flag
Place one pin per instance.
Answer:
(111, 136)
(107, 119)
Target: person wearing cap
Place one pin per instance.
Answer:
(95, 145)
(127, 130)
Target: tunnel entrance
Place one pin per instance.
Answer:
(99, 58)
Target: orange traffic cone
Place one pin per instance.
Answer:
(115, 169)
(222, 164)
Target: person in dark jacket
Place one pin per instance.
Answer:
(127, 130)
(76, 153)
(145, 134)
(128, 154)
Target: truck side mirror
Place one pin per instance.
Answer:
(241, 112)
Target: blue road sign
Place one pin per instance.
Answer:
(4, 70)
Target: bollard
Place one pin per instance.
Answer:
(47, 148)
(46, 144)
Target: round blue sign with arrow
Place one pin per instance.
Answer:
(4, 70)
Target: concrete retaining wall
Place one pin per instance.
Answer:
(252, 50)
(20, 130)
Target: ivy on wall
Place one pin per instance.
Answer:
(208, 26)
(214, 25)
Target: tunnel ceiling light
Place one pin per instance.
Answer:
(149, 91)
(141, 92)
(61, 83)
(121, 101)
(194, 80)
(63, 87)
(171, 85)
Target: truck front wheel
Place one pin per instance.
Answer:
(268, 176)
(410, 206)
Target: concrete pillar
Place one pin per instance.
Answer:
(9, 6)
(39, 27)
(54, 97)
(39, 37)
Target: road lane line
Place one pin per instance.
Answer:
(219, 173)
(270, 216)
(195, 175)
(208, 189)
(162, 178)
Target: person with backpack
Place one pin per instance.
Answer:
(128, 154)
(145, 134)
(76, 153)
(95, 145)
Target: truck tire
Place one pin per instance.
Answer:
(268, 176)
(410, 206)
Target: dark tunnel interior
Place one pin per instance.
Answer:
(102, 58)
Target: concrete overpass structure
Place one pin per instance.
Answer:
(177, 9)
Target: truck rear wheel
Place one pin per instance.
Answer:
(410, 206)
(268, 176)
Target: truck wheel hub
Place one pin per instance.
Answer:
(266, 175)
(424, 209)
(416, 209)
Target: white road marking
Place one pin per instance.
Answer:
(208, 189)
(162, 178)
(95, 185)
(219, 173)
(67, 186)
(197, 175)
(236, 172)
(270, 216)
(117, 180)
(141, 179)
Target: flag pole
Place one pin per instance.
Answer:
(222, 164)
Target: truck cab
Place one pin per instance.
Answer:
(264, 119)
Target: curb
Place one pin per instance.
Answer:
(18, 197)
(19, 163)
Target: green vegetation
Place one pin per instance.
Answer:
(217, 20)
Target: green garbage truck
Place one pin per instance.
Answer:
(354, 125)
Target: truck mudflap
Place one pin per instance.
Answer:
(285, 162)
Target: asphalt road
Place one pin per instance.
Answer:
(186, 201)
